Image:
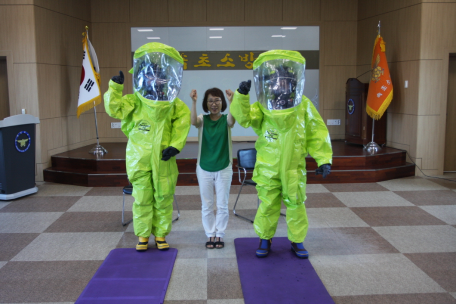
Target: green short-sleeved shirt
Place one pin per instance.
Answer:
(214, 145)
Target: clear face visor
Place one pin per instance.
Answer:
(157, 77)
(279, 84)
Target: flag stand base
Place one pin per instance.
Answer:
(372, 148)
(98, 150)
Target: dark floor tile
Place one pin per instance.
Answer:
(440, 266)
(105, 191)
(323, 200)
(245, 190)
(450, 183)
(396, 216)
(431, 197)
(41, 204)
(13, 243)
(415, 298)
(346, 241)
(223, 280)
(363, 240)
(189, 202)
(34, 282)
(361, 187)
(109, 221)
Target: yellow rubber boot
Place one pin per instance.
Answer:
(161, 243)
(142, 245)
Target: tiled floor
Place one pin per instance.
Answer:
(386, 242)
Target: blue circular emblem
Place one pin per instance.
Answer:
(350, 106)
(22, 141)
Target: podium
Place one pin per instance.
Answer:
(358, 125)
(17, 156)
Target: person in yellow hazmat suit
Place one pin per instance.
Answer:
(288, 128)
(156, 123)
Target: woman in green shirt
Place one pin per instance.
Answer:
(214, 167)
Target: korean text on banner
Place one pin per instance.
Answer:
(380, 87)
(89, 88)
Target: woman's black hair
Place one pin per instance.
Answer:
(216, 93)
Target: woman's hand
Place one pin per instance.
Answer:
(194, 95)
(229, 95)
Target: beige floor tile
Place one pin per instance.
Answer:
(188, 280)
(102, 203)
(411, 184)
(69, 246)
(333, 217)
(372, 274)
(414, 239)
(24, 222)
(445, 213)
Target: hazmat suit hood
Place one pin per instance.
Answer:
(279, 79)
(157, 72)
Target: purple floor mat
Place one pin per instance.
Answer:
(129, 276)
(280, 277)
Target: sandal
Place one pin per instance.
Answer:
(210, 244)
(219, 244)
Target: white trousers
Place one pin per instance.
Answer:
(221, 180)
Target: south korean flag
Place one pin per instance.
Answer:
(89, 88)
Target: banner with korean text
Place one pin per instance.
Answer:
(380, 86)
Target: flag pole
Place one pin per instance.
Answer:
(97, 149)
(373, 147)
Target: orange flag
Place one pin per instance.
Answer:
(380, 87)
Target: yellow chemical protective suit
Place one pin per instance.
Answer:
(151, 126)
(285, 138)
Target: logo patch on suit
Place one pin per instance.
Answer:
(144, 126)
(271, 135)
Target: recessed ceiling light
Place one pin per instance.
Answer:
(145, 30)
(278, 36)
(215, 37)
(217, 29)
(153, 37)
(288, 28)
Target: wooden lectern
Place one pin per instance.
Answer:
(358, 125)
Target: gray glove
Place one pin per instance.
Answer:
(323, 170)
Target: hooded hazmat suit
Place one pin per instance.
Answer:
(153, 119)
(288, 128)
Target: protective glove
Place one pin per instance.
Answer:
(118, 79)
(244, 87)
(323, 170)
(169, 152)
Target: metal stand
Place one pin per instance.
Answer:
(98, 149)
(372, 147)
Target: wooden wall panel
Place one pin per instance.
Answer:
(339, 43)
(79, 9)
(25, 77)
(225, 11)
(4, 95)
(104, 128)
(110, 11)
(339, 10)
(49, 92)
(112, 44)
(74, 136)
(17, 32)
(402, 129)
(51, 136)
(335, 77)
(336, 132)
(438, 37)
(405, 100)
(187, 10)
(87, 126)
(301, 11)
(16, 2)
(368, 9)
(264, 11)
(148, 11)
(72, 79)
(430, 137)
(450, 124)
(431, 88)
